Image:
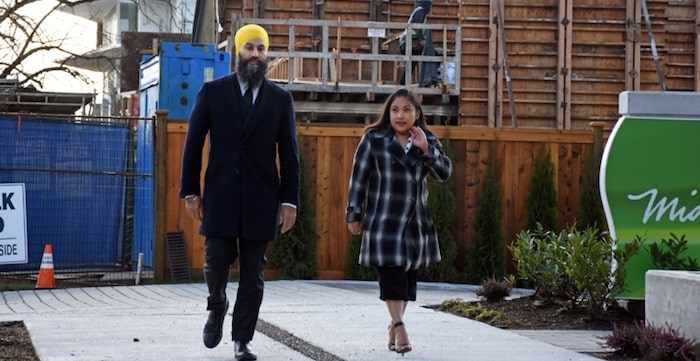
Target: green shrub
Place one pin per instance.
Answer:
(540, 261)
(294, 252)
(441, 202)
(541, 204)
(486, 256)
(590, 207)
(669, 255)
(584, 267)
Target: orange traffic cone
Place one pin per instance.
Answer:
(46, 277)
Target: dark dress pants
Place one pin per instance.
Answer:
(220, 253)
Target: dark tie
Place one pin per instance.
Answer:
(247, 100)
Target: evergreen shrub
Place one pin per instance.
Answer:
(541, 203)
(441, 201)
(294, 253)
(485, 257)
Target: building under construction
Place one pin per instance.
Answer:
(557, 64)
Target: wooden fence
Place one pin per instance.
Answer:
(328, 151)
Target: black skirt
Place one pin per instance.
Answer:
(395, 283)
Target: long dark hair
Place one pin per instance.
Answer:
(384, 120)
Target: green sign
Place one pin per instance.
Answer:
(650, 187)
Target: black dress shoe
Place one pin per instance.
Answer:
(243, 352)
(213, 328)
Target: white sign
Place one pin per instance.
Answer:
(13, 224)
(376, 33)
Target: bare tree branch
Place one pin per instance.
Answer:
(23, 37)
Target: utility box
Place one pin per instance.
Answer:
(171, 79)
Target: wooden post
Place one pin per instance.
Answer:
(632, 47)
(564, 64)
(444, 56)
(326, 59)
(376, 67)
(338, 61)
(291, 73)
(495, 114)
(160, 193)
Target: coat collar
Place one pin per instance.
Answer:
(386, 137)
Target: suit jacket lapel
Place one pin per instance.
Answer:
(393, 147)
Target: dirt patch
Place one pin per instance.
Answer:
(15, 343)
(530, 313)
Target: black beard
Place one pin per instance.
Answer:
(252, 74)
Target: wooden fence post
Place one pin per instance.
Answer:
(160, 193)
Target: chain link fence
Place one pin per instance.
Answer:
(88, 184)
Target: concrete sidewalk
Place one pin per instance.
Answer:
(343, 318)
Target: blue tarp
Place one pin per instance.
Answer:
(74, 175)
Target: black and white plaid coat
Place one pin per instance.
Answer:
(389, 194)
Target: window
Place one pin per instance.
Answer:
(127, 16)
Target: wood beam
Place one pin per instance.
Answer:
(564, 64)
(339, 107)
(632, 46)
(495, 114)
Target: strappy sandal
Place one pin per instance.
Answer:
(402, 345)
(392, 338)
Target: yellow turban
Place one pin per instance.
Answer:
(249, 32)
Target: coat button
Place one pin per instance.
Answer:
(237, 171)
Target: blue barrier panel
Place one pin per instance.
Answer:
(74, 175)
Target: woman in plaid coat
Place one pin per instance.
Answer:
(388, 203)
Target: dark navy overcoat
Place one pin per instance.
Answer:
(243, 184)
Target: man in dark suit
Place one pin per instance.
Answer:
(246, 199)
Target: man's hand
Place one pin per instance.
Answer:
(287, 217)
(194, 207)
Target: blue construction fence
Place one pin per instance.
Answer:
(88, 191)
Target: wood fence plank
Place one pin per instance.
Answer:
(323, 200)
(464, 165)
